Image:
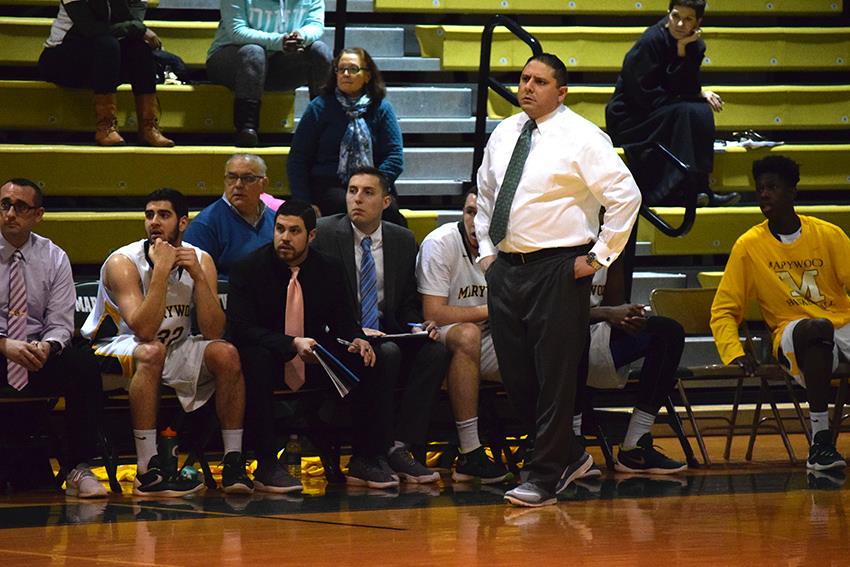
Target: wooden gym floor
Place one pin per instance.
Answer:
(762, 513)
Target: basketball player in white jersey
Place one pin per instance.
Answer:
(141, 327)
(454, 295)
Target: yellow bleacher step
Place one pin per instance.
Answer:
(585, 48)
(36, 105)
(758, 107)
(612, 7)
(131, 170)
(717, 229)
(23, 39)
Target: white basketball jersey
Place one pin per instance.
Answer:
(445, 268)
(105, 319)
(597, 287)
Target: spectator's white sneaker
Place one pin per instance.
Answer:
(82, 483)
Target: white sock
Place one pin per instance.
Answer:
(820, 421)
(577, 424)
(639, 424)
(232, 439)
(145, 448)
(395, 445)
(467, 432)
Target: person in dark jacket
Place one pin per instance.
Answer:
(99, 44)
(658, 98)
(350, 125)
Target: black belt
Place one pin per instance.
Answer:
(518, 258)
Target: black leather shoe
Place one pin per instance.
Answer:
(724, 199)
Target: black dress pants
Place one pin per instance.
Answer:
(371, 400)
(74, 374)
(539, 318)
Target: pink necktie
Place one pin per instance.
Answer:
(294, 369)
(16, 322)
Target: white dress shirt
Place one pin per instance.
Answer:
(570, 171)
(377, 254)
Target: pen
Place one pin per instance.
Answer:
(345, 342)
(416, 325)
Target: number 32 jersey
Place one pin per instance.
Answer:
(105, 321)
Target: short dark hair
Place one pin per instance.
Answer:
(173, 196)
(383, 181)
(786, 168)
(24, 182)
(697, 5)
(376, 87)
(297, 208)
(555, 63)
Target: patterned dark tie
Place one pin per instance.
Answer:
(502, 210)
(368, 287)
(16, 322)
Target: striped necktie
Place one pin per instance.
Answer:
(16, 322)
(502, 210)
(294, 375)
(368, 287)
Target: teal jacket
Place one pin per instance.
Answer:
(265, 22)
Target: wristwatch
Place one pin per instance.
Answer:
(593, 262)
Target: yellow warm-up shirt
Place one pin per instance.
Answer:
(805, 279)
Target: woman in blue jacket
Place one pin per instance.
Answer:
(350, 125)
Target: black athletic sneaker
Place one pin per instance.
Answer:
(645, 458)
(576, 470)
(234, 479)
(530, 495)
(476, 465)
(823, 455)
(156, 482)
(275, 479)
(409, 469)
(366, 471)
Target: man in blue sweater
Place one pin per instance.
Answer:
(239, 222)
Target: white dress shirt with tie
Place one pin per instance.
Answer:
(571, 170)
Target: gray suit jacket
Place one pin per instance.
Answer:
(335, 237)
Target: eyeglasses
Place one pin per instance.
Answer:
(233, 179)
(21, 208)
(351, 70)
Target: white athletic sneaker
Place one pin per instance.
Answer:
(82, 483)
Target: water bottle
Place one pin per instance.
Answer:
(168, 450)
(292, 456)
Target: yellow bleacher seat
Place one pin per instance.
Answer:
(131, 170)
(89, 237)
(717, 229)
(760, 107)
(613, 7)
(603, 48)
(824, 166)
(35, 105)
(23, 38)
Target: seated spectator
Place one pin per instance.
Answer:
(796, 267)
(140, 327)
(621, 333)
(380, 273)
(658, 98)
(454, 296)
(99, 44)
(239, 222)
(267, 45)
(284, 299)
(350, 125)
(36, 325)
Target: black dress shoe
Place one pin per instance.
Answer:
(246, 138)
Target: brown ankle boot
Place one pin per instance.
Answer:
(105, 110)
(147, 111)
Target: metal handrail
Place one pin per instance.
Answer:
(690, 200)
(340, 21)
(486, 82)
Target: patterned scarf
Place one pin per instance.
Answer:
(355, 149)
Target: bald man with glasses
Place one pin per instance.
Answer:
(239, 222)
